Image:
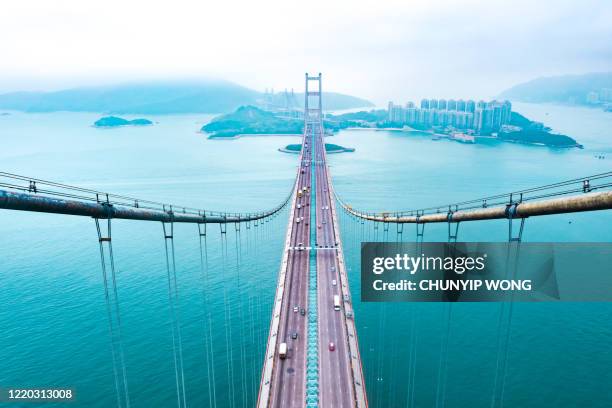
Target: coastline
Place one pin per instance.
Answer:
(121, 126)
(212, 136)
(485, 137)
(342, 150)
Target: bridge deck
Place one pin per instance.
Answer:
(340, 378)
(283, 380)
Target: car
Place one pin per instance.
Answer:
(319, 226)
(334, 282)
(294, 335)
(295, 309)
(323, 222)
(302, 312)
(333, 269)
(332, 346)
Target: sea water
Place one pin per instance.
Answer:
(52, 311)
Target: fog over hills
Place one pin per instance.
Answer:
(559, 89)
(159, 97)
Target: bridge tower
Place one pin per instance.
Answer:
(314, 114)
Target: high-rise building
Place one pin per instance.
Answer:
(461, 105)
(396, 113)
(411, 115)
(506, 113)
(470, 106)
(477, 123)
(481, 117)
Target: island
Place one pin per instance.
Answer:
(251, 120)
(518, 130)
(360, 119)
(523, 130)
(329, 148)
(114, 121)
(497, 122)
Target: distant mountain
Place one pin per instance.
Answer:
(210, 96)
(571, 89)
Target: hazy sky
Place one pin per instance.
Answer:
(380, 49)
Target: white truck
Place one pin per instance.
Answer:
(282, 351)
(336, 302)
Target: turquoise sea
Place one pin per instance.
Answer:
(52, 310)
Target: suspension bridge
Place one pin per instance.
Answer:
(312, 356)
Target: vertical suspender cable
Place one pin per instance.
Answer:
(112, 307)
(443, 366)
(503, 336)
(250, 324)
(173, 301)
(243, 380)
(258, 297)
(518, 240)
(380, 377)
(412, 355)
(443, 363)
(116, 297)
(227, 315)
(252, 316)
(208, 341)
(379, 367)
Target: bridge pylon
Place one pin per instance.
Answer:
(313, 112)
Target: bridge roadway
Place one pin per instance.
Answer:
(288, 384)
(283, 381)
(312, 236)
(336, 388)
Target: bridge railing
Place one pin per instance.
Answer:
(31, 194)
(582, 194)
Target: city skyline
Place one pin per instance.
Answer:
(480, 116)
